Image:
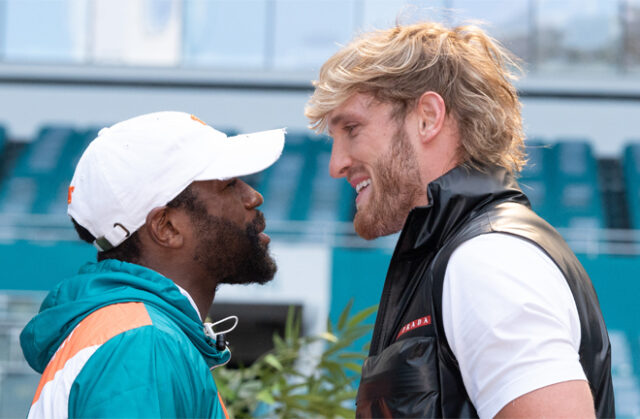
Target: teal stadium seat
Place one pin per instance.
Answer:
(3, 140)
(328, 199)
(299, 188)
(279, 183)
(534, 178)
(576, 195)
(303, 192)
(3, 155)
(631, 168)
(39, 182)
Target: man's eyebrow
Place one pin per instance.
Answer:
(337, 119)
(333, 121)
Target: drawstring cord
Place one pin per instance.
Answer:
(219, 337)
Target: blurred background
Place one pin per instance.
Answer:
(70, 67)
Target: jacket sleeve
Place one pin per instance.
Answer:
(145, 372)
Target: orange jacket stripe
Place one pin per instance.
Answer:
(224, 408)
(95, 329)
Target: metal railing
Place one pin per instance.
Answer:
(56, 228)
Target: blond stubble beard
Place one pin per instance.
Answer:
(398, 188)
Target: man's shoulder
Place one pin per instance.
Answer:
(506, 267)
(510, 319)
(147, 367)
(498, 248)
(156, 352)
(116, 351)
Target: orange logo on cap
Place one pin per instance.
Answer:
(71, 189)
(195, 118)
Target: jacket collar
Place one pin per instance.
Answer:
(455, 197)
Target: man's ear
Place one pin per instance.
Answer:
(431, 113)
(166, 227)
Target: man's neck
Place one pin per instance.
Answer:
(202, 299)
(200, 288)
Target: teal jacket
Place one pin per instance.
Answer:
(120, 340)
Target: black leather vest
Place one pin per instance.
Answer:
(411, 370)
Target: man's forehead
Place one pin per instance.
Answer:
(209, 185)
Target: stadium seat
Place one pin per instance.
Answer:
(299, 188)
(534, 178)
(57, 203)
(3, 139)
(38, 183)
(574, 186)
(280, 183)
(631, 168)
(320, 197)
(3, 154)
(326, 192)
(304, 193)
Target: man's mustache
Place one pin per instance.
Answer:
(258, 224)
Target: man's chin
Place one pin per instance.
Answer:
(364, 231)
(365, 227)
(249, 280)
(370, 228)
(259, 269)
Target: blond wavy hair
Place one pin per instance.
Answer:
(472, 72)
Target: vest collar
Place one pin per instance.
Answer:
(455, 197)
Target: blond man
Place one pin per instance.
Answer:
(485, 310)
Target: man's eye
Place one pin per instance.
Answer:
(350, 128)
(232, 183)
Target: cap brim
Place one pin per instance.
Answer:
(245, 154)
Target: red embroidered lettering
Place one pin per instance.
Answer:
(423, 321)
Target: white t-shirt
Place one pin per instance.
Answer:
(510, 319)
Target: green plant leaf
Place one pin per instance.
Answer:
(341, 344)
(329, 326)
(273, 361)
(352, 355)
(329, 337)
(352, 366)
(345, 395)
(278, 342)
(344, 315)
(311, 398)
(289, 330)
(265, 396)
(336, 372)
(356, 332)
(361, 315)
(285, 387)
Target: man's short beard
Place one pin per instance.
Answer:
(397, 189)
(231, 254)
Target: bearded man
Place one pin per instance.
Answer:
(485, 310)
(159, 196)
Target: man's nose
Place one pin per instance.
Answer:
(250, 197)
(254, 198)
(340, 160)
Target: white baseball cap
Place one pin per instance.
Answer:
(144, 162)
